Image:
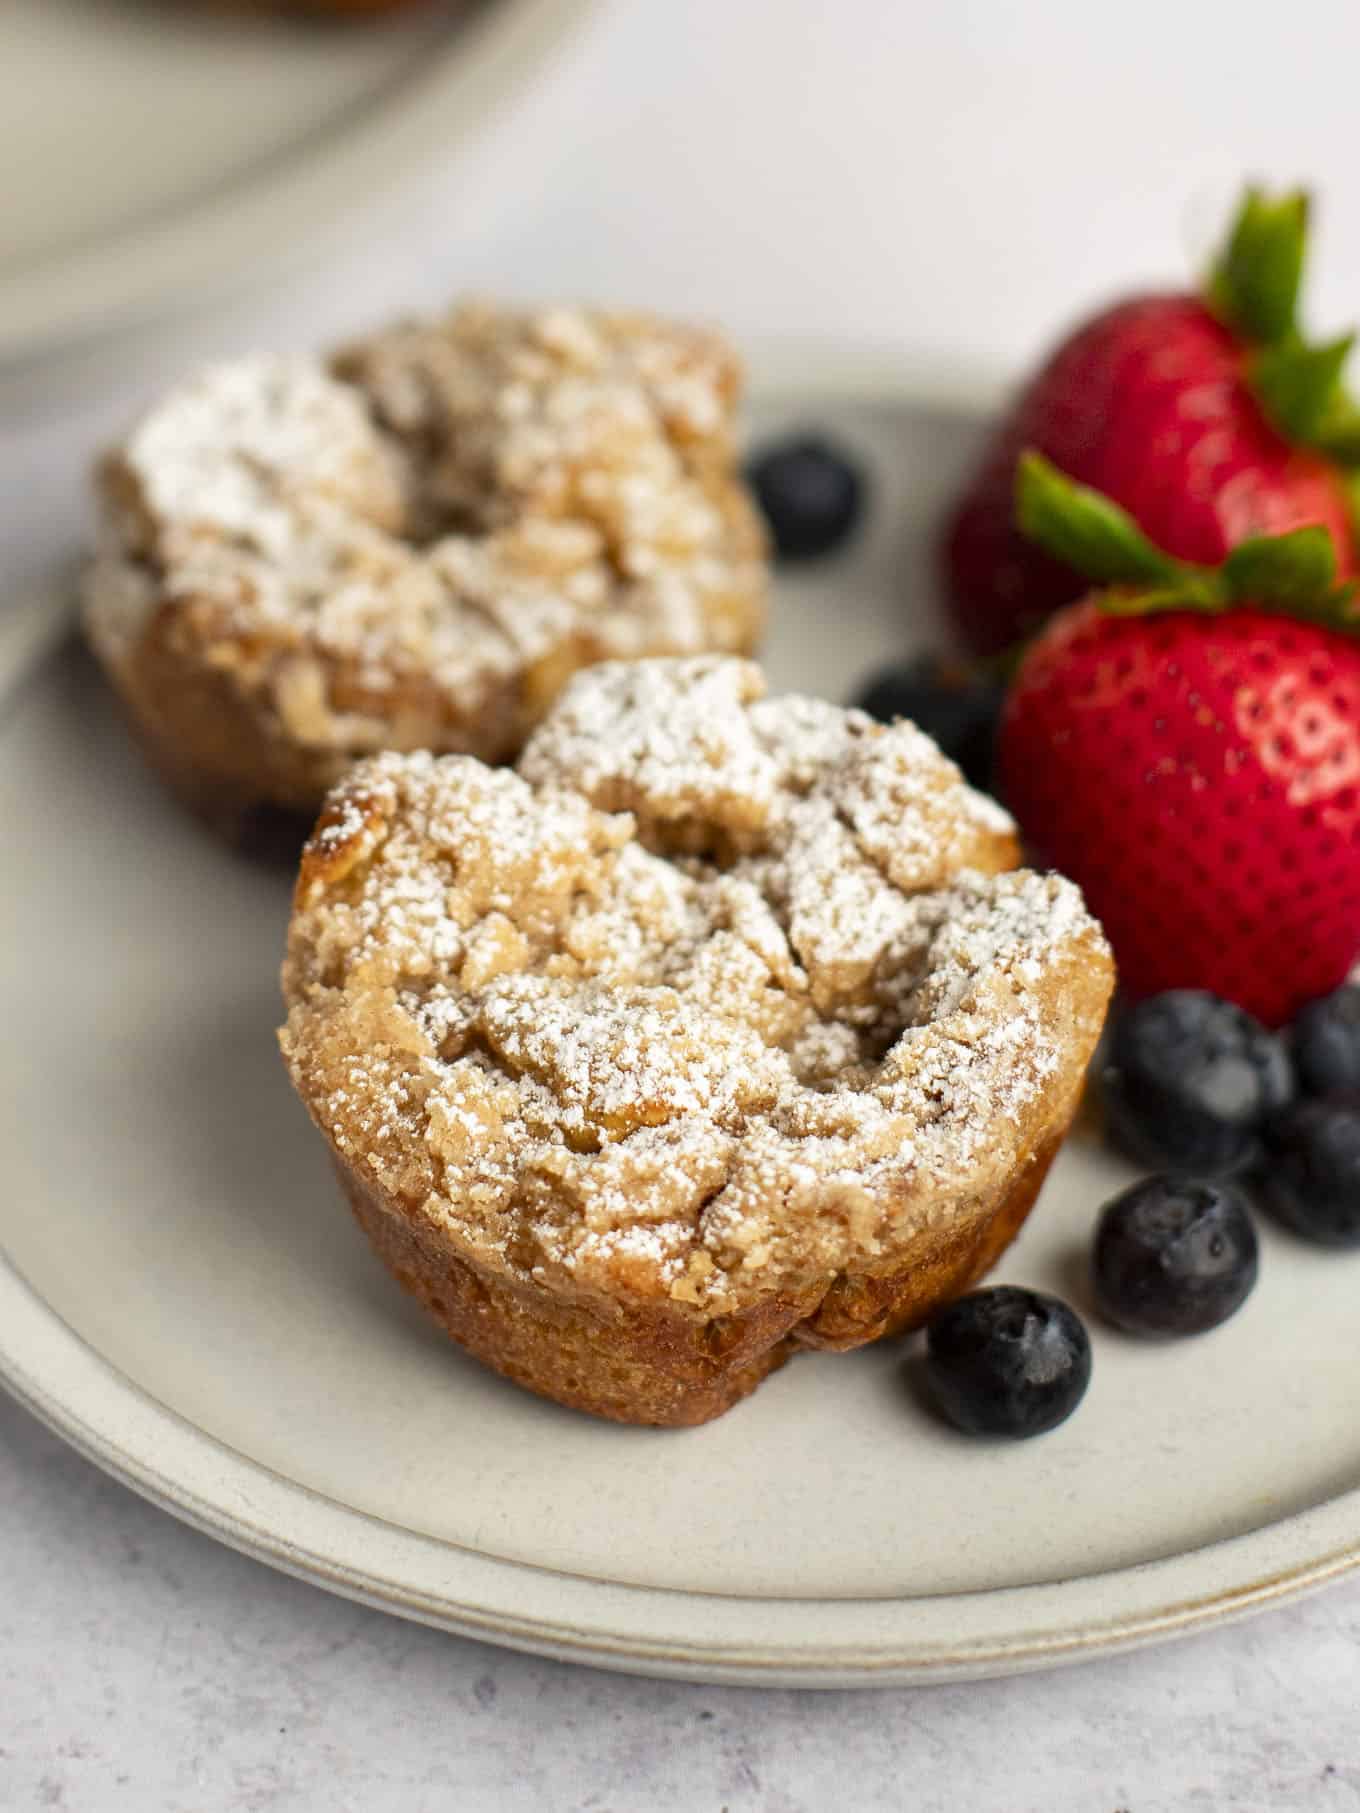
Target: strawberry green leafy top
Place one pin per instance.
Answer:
(1253, 287)
(1291, 575)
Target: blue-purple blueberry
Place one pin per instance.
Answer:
(1326, 1043)
(811, 493)
(1309, 1176)
(1190, 1082)
(1174, 1256)
(1007, 1362)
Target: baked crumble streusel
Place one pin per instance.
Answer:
(722, 1023)
(414, 547)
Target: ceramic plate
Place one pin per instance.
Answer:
(165, 147)
(185, 1299)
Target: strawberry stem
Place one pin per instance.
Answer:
(1292, 575)
(1254, 283)
(1253, 287)
(1299, 387)
(1084, 529)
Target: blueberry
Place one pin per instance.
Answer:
(949, 702)
(1327, 1044)
(1005, 1361)
(1309, 1177)
(1190, 1081)
(811, 493)
(1174, 1256)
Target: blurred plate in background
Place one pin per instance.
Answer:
(155, 151)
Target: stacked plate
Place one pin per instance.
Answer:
(157, 151)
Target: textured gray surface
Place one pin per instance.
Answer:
(144, 1668)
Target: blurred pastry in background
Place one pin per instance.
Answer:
(336, 9)
(415, 545)
(351, 9)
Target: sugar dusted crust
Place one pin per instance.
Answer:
(414, 547)
(723, 1022)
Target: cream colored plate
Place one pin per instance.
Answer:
(187, 1301)
(158, 149)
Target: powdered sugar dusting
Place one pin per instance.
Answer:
(669, 740)
(727, 1037)
(415, 547)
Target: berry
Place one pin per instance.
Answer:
(810, 492)
(1209, 419)
(946, 700)
(1190, 1082)
(1309, 1178)
(1185, 744)
(1173, 1256)
(1326, 1040)
(1005, 1361)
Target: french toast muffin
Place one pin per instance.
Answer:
(415, 546)
(719, 1026)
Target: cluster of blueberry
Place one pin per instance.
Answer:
(1227, 1112)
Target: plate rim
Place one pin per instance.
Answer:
(665, 1632)
(284, 210)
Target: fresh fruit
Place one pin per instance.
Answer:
(1190, 1082)
(1309, 1178)
(1207, 417)
(1326, 1039)
(811, 493)
(1186, 745)
(1173, 1256)
(949, 700)
(1005, 1361)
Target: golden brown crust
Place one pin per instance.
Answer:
(939, 1264)
(780, 1053)
(650, 1364)
(418, 547)
(630, 1362)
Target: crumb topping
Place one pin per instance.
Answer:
(717, 994)
(452, 511)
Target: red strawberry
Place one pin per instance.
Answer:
(1207, 418)
(1187, 747)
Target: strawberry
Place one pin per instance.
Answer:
(1186, 745)
(1208, 418)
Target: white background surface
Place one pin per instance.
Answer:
(952, 180)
